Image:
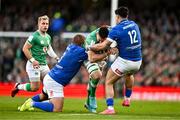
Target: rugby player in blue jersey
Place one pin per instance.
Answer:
(58, 77)
(127, 35)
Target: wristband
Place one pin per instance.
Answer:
(32, 60)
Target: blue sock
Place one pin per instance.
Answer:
(46, 106)
(110, 102)
(36, 98)
(128, 92)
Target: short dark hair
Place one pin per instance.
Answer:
(122, 11)
(103, 32)
(78, 39)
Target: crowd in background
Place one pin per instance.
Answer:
(160, 30)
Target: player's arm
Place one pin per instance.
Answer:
(93, 57)
(26, 50)
(51, 53)
(106, 43)
(101, 46)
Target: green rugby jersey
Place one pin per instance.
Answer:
(39, 47)
(91, 39)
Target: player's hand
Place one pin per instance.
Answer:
(35, 64)
(102, 64)
(113, 51)
(56, 58)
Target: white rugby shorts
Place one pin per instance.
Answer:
(52, 88)
(121, 66)
(34, 74)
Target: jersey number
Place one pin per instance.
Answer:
(132, 34)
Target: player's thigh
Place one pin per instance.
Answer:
(92, 67)
(111, 77)
(97, 74)
(33, 74)
(44, 69)
(52, 88)
(129, 80)
(35, 85)
(121, 66)
(94, 70)
(58, 103)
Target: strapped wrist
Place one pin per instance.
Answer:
(57, 58)
(32, 60)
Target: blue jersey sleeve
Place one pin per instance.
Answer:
(84, 55)
(113, 34)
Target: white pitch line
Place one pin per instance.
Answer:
(74, 114)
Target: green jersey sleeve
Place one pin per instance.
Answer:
(31, 40)
(91, 39)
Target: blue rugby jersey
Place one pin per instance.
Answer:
(68, 65)
(128, 38)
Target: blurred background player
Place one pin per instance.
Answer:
(59, 76)
(127, 35)
(94, 65)
(37, 46)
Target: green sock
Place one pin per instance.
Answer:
(92, 87)
(28, 86)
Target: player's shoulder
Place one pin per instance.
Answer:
(36, 33)
(32, 36)
(116, 28)
(91, 37)
(93, 33)
(48, 35)
(76, 49)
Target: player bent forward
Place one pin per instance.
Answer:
(127, 35)
(95, 65)
(59, 76)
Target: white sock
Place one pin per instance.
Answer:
(110, 107)
(22, 87)
(127, 98)
(31, 104)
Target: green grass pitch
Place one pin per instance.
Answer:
(74, 110)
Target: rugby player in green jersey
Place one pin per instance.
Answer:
(36, 48)
(94, 65)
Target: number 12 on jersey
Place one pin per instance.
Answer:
(132, 34)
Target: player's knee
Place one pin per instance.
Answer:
(57, 110)
(108, 82)
(34, 88)
(129, 81)
(96, 75)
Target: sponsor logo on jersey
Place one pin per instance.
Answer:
(45, 49)
(42, 42)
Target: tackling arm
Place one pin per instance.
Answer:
(101, 46)
(93, 57)
(51, 53)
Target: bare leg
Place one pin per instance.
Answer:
(58, 103)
